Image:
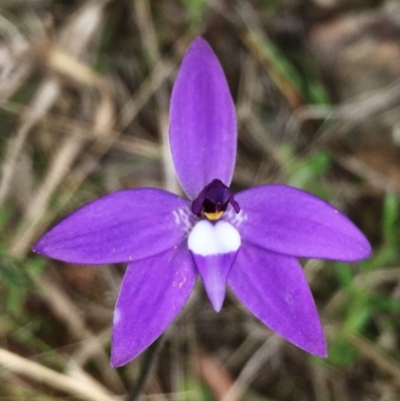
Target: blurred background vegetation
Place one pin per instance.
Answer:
(84, 97)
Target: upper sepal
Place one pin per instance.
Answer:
(202, 130)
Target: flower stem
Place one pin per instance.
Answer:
(145, 370)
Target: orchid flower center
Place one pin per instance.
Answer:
(213, 200)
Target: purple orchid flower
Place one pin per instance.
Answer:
(249, 241)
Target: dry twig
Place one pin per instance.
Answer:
(79, 388)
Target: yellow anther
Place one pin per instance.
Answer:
(214, 216)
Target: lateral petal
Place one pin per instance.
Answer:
(273, 287)
(202, 130)
(152, 293)
(290, 221)
(120, 227)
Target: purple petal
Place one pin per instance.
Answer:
(275, 290)
(153, 291)
(214, 270)
(293, 222)
(120, 227)
(203, 130)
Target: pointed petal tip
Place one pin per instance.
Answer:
(198, 42)
(314, 343)
(364, 249)
(40, 244)
(115, 363)
(201, 45)
(217, 302)
(118, 354)
(217, 308)
(117, 359)
(215, 290)
(367, 251)
(40, 247)
(361, 252)
(323, 354)
(319, 349)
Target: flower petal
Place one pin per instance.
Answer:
(214, 248)
(203, 131)
(293, 222)
(214, 270)
(120, 227)
(275, 290)
(153, 291)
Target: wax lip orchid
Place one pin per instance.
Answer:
(249, 241)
